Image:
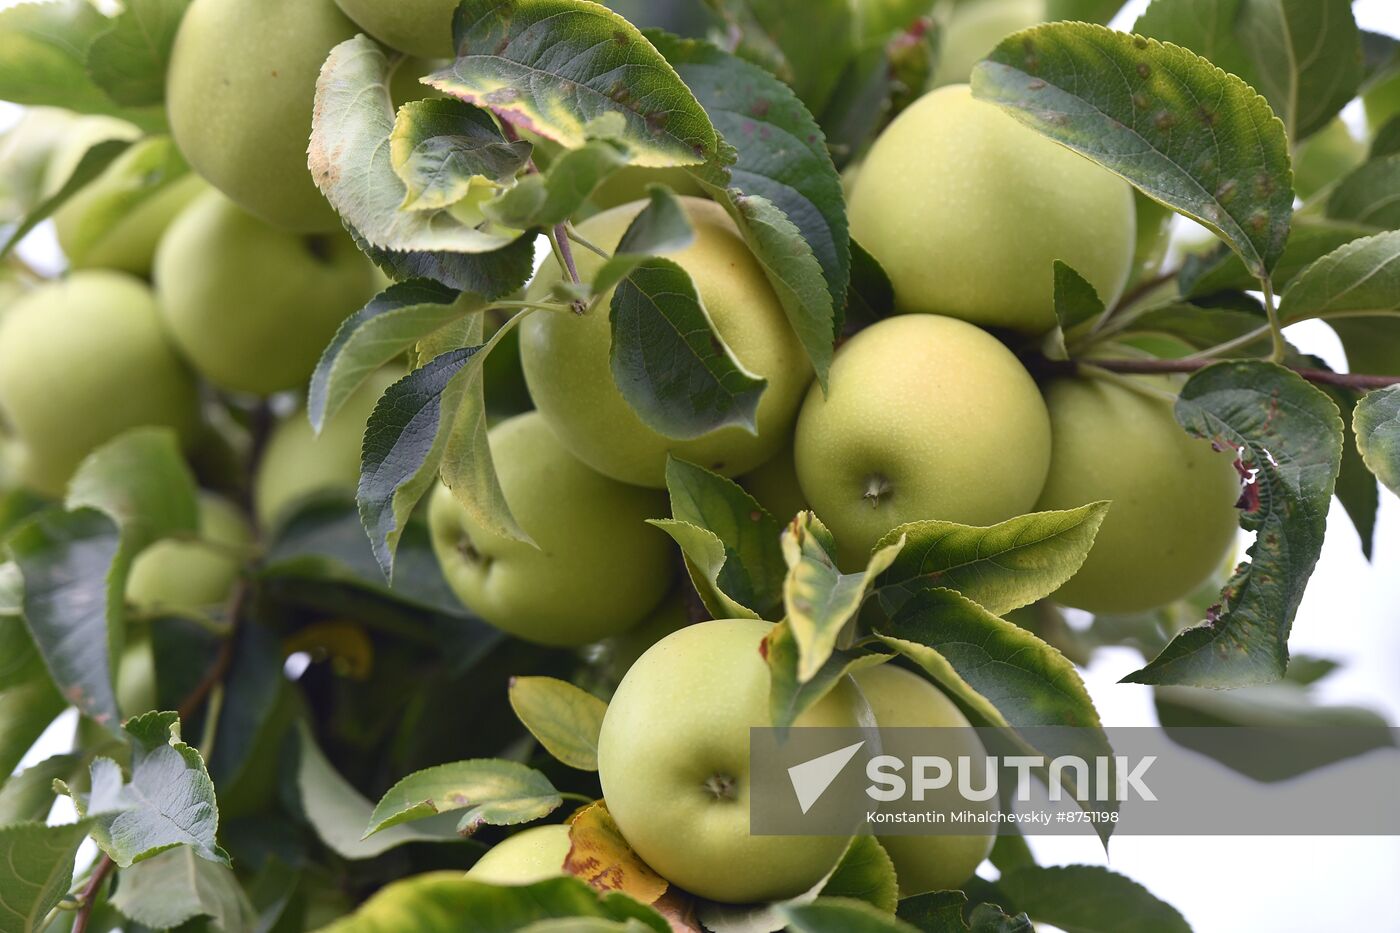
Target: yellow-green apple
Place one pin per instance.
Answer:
(598, 567)
(926, 417)
(967, 210)
(775, 486)
(566, 357)
(419, 27)
(299, 464)
(239, 95)
(900, 699)
(1172, 519)
(82, 360)
(974, 29)
(530, 855)
(192, 576)
(116, 221)
(251, 305)
(673, 759)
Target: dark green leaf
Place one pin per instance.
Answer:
(1002, 567)
(935, 912)
(93, 163)
(1087, 899)
(1387, 139)
(1362, 277)
(804, 42)
(1189, 328)
(659, 228)
(1288, 437)
(490, 275)
(669, 364)
(840, 915)
(438, 146)
(1076, 302)
(1086, 11)
(564, 718)
(1356, 485)
(782, 189)
(36, 870)
(790, 697)
(1135, 106)
(865, 873)
(1309, 239)
(1206, 27)
(1370, 195)
(553, 196)
(28, 699)
(1377, 425)
(489, 791)
(554, 67)
(169, 800)
(389, 326)
(174, 887)
(129, 60)
(871, 296)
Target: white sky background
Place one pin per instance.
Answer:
(1351, 614)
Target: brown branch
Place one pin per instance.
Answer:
(89, 895)
(216, 672)
(1321, 376)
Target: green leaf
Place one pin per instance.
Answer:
(790, 697)
(840, 915)
(1377, 426)
(554, 67)
(564, 718)
(1370, 195)
(44, 50)
(782, 189)
(28, 699)
(405, 442)
(439, 902)
(1001, 567)
(92, 164)
(174, 887)
(37, 871)
(1387, 139)
(804, 42)
(491, 275)
(139, 480)
(1087, 899)
(1362, 277)
(1184, 329)
(820, 600)
(865, 873)
(129, 60)
(1307, 56)
(1206, 27)
(29, 795)
(667, 360)
(659, 228)
(935, 912)
(390, 325)
(1309, 239)
(1134, 106)
(871, 296)
(728, 537)
(350, 131)
(1356, 485)
(1076, 301)
(168, 802)
(553, 196)
(489, 790)
(338, 812)
(439, 146)
(1289, 438)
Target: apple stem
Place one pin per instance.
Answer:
(876, 488)
(721, 786)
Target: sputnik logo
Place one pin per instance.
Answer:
(811, 778)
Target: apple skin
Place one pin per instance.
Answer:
(967, 210)
(252, 306)
(678, 723)
(298, 464)
(82, 360)
(117, 221)
(926, 417)
(615, 656)
(974, 29)
(566, 357)
(599, 568)
(239, 94)
(901, 699)
(530, 855)
(1172, 520)
(189, 578)
(776, 487)
(418, 27)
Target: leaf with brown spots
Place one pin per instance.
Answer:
(488, 790)
(600, 856)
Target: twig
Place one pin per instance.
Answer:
(215, 674)
(1190, 365)
(89, 895)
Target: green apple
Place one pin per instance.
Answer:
(528, 856)
(967, 210)
(1172, 519)
(775, 486)
(630, 182)
(1154, 224)
(298, 464)
(116, 222)
(252, 306)
(900, 699)
(192, 577)
(615, 656)
(566, 357)
(82, 360)
(136, 672)
(974, 29)
(673, 759)
(926, 417)
(419, 27)
(599, 568)
(239, 95)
